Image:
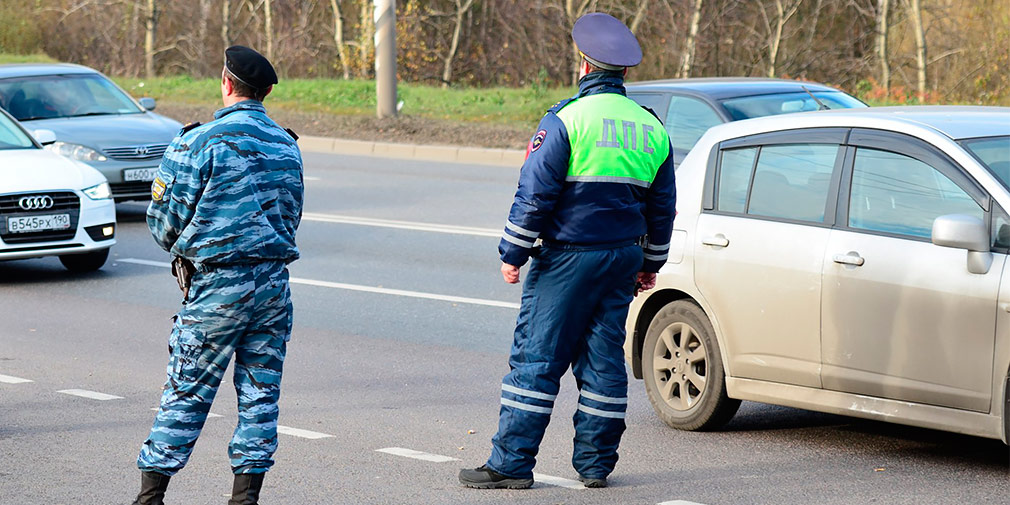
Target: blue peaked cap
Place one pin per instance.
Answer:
(602, 38)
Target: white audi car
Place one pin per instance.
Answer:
(51, 205)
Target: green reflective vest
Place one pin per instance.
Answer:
(613, 139)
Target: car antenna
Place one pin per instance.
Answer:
(820, 104)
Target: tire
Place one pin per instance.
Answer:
(683, 371)
(87, 262)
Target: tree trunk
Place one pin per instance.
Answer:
(338, 38)
(882, 28)
(150, 25)
(782, 17)
(692, 42)
(461, 9)
(268, 27)
(920, 47)
(643, 5)
(573, 11)
(226, 23)
(201, 34)
(366, 34)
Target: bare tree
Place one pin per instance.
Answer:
(574, 9)
(782, 15)
(920, 46)
(883, 8)
(338, 38)
(268, 27)
(150, 25)
(226, 22)
(462, 6)
(643, 5)
(366, 33)
(692, 42)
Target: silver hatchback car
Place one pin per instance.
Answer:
(851, 262)
(94, 121)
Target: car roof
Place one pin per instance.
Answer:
(720, 88)
(36, 69)
(954, 121)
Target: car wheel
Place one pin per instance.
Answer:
(87, 262)
(683, 371)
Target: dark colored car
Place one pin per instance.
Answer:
(94, 120)
(689, 107)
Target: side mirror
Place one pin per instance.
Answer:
(44, 137)
(147, 103)
(965, 232)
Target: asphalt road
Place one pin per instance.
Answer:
(402, 329)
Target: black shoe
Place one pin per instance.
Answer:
(486, 478)
(246, 489)
(593, 483)
(152, 488)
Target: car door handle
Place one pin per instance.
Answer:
(719, 240)
(851, 258)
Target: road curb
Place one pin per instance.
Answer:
(475, 155)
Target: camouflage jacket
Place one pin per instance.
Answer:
(230, 191)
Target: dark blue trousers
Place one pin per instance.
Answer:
(574, 305)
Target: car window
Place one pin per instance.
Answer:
(11, 137)
(784, 103)
(734, 179)
(655, 101)
(894, 193)
(687, 120)
(56, 96)
(1000, 228)
(792, 181)
(994, 153)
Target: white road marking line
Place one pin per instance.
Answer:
(7, 379)
(295, 432)
(679, 502)
(404, 225)
(310, 178)
(410, 453)
(94, 395)
(365, 289)
(209, 414)
(551, 480)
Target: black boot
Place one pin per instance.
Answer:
(246, 489)
(152, 488)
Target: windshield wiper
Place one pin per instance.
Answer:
(93, 114)
(820, 104)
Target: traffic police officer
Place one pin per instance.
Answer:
(597, 189)
(227, 199)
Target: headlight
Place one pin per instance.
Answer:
(76, 151)
(99, 192)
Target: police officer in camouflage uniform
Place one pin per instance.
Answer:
(597, 189)
(226, 203)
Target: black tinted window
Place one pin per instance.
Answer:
(792, 181)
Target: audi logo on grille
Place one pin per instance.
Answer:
(36, 202)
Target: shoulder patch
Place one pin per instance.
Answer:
(292, 133)
(157, 189)
(189, 127)
(538, 140)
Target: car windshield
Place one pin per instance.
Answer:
(994, 153)
(11, 136)
(747, 107)
(59, 96)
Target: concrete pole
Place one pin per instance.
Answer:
(385, 58)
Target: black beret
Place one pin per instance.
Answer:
(604, 39)
(250, 67)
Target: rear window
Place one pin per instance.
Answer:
(784, 103)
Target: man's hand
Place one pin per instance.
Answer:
(510, 273)
(645, 282)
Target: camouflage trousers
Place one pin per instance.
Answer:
(241, 310)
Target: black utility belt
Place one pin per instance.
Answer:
(572, 246)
